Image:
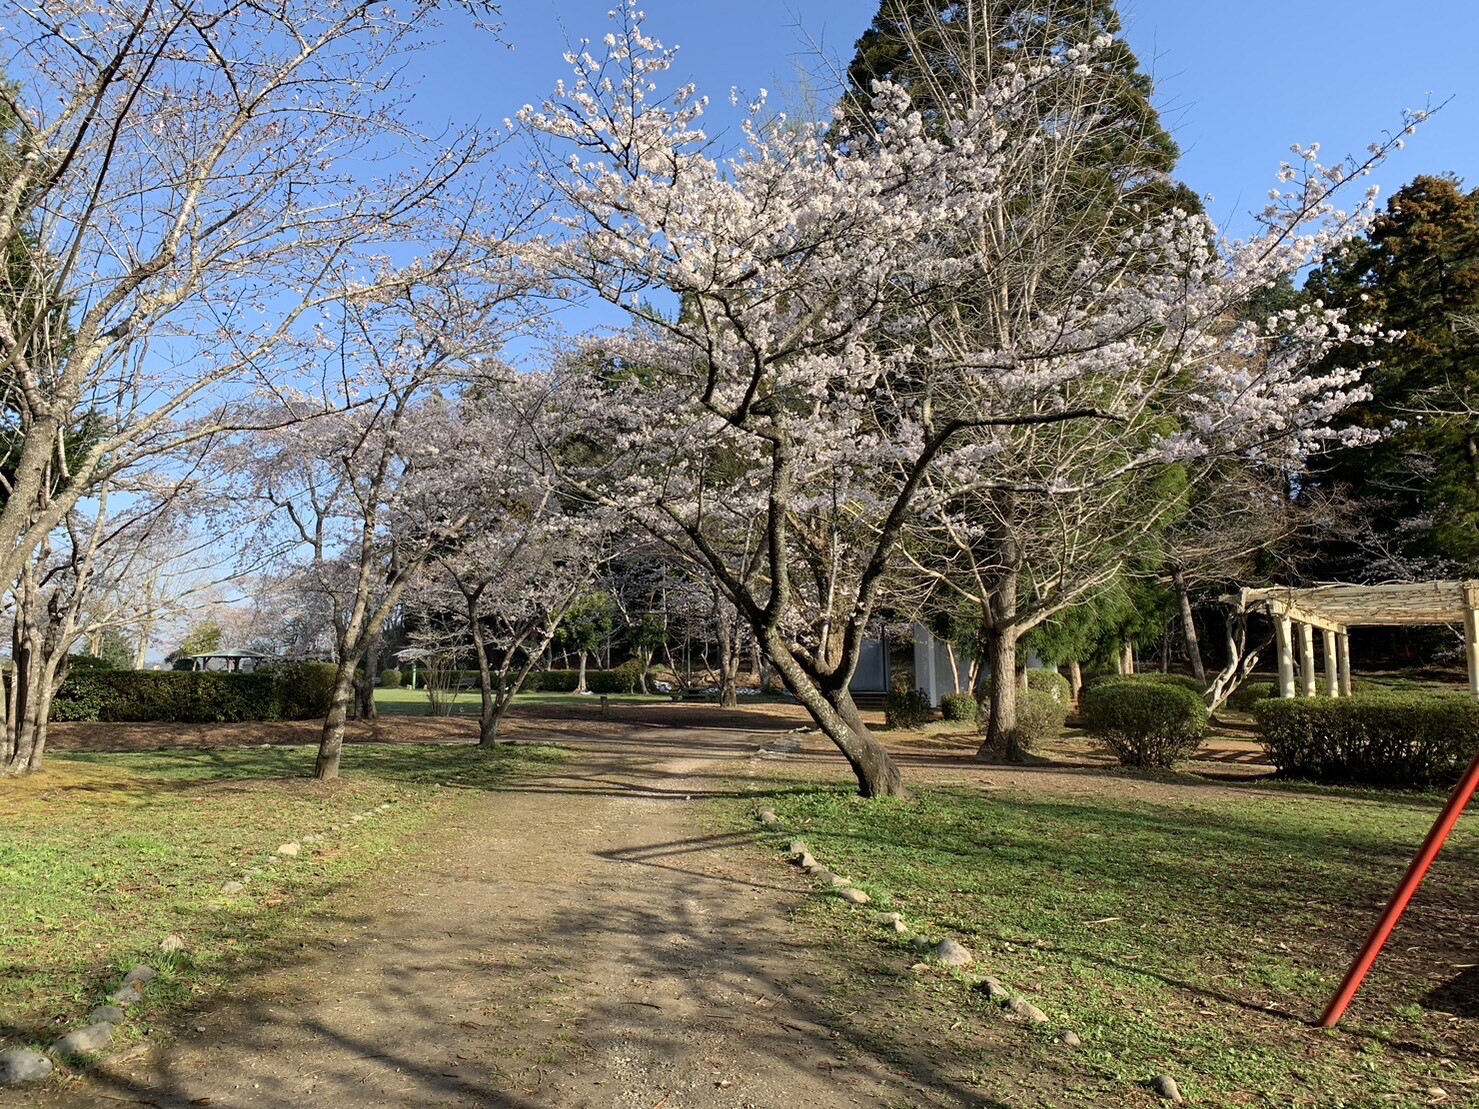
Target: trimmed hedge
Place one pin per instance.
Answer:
(958, 706)
(390, 679)
(292, 691)
(1147, 724)
(907, 708)
(1181, 681)
(1408, 740)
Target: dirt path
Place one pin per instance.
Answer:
(575, 942)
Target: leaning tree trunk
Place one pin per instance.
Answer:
(1188, 625)
(837, 716)
(331, 743)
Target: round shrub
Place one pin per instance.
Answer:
(907, 708)
(1247, 696)
(390, 679)
(626, 678)
(1146, 724)
(1054, 684)
(958, 706)
(1040, 716)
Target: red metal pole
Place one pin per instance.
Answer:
(1395, 908)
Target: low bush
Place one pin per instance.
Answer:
(76, 663)
(1054, 684)
(1405, 739)
(907, 708)
(390, 679)
(291, 691)
(626, 678)
(1181, 681)
(1040, 716)
(958, 706)
(1145, 723)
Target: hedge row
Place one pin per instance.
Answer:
(292, 691)
(1411, 740)
(626, 678)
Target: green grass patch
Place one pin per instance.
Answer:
(1194, 936)
(105, 854)
(413, 702)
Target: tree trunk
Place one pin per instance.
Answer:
(1076, 678)
(365, 684)
(331, 742)
(837, 716)
(729, 662)
(1002, 741)
(580, 686)
(1188, 625)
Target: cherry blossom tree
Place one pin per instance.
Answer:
(190, 186)
(811, 364)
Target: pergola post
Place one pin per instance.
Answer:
(1307, 659)
(1343, 648)
(1283, 632)
(1471, 642)
(1332, 665)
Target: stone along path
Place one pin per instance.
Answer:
(574, 942)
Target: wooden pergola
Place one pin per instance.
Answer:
(1335, 609)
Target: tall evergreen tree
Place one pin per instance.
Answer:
(1416, 273)
(927, 47)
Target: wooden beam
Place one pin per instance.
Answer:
(1332, 665)
(1300, 614)
(1283, 632)
(1307, 659)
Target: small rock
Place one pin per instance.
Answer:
(334, 827)
(767, 816)
(291, 850)
(19, 1065)
(106, 1014)
(1069, 1038)
(172, 944)
(1165, 1086)
(798, 847)
(886, 918)
(822, 874)
(855, 896)
(1025, 1010)
(84, 1041)
(233, 887)
(954, 954)
(993, 989)
(139, 975)
(838, 880)
(124, 996)
(920, 968)
(385, 807)
(922, 942)
(806, 862)
(200, 1028)
(898, 926)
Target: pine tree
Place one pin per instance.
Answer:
(939, 49)
(1417, 273)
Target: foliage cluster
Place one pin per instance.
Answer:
(1040, 715)
(390, 679)
(958, 706)
(907, 708)
(1145, 722)
(1408, 740)
(293, 691)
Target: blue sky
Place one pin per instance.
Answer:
(1238, 81)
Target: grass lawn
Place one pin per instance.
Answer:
(413, 702)
(105, 854)
(1192, 935)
